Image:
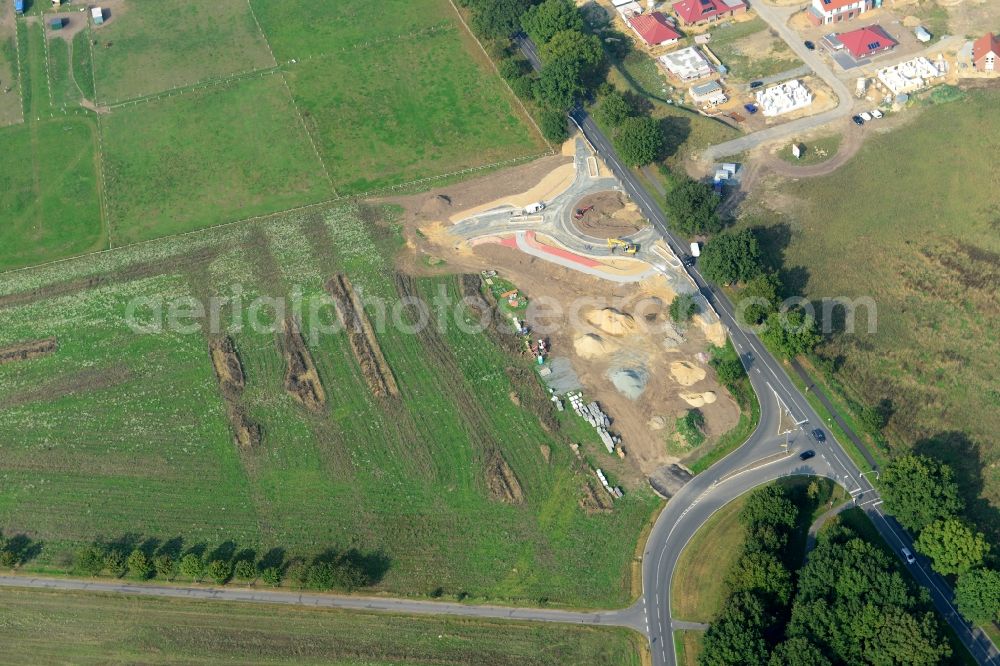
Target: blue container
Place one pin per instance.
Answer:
(19, 6)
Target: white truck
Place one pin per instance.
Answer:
(695, 250)
(533, 208)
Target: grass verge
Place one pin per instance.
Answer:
(56, 627)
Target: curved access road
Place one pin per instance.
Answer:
(777, 394)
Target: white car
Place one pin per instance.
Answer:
(865, 116)
(908, 556)
(876, 113)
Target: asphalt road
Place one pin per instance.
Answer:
(705, 493)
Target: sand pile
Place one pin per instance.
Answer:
(611, 321)
(657, 423)
(436, 206)
(685, 373)
(698, 399)
(630, 382)
(592, 345)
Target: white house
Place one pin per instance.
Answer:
(822, 12)
(687, 64)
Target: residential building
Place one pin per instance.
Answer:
(693, 12)
(822, 12)
(654, 29)
(710, 93)
(867, 41)
(985, 53)
(687, 64)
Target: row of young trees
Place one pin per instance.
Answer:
(922, 494)
(342, 570)
(848, 604)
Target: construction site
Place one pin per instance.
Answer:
(595, 285)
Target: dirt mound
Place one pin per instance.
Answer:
(24, 351)
(595, 499)
(612, 215)
(657, 423)
(698, 399)
(686, 373)
(591, 345)
(365, 345)
(246, 433)
(438, 205)
(500, 480)
(228, 369)
(630, 382)
(611, 321)
(229, 374)
(301, 378)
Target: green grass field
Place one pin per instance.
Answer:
(210, 156)
(688, 646)
(424, 107)
(57, 628)
(10, 97)
(49, 203)
(740, 45)
(121, 433)
(816, 151)
(300, 29)
(247, 145)
(149, 46)
(65, 92)
(919, 235)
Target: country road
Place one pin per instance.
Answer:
(620, 618)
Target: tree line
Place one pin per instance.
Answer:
(848, 604)
(574, 69)
(344, 570)
(923, 496)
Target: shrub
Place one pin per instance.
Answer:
(116, 562)
(139, 565)
(682, 308)
(220, 571)
(89, 560)
(271, 576)
(192, 566)
(553, 125)
(165, 566)
(8, 559)
(245, 570)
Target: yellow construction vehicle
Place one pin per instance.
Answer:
(628, 248)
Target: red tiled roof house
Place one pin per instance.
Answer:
(985, 53)
(692, 12)
(867, 41)
(822, 12)
(654, 29)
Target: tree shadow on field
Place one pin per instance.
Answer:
(247, 555)
(126, 543)
(375, 565)
(197, 549)
(23, 548)
(224, 551)
(172, 547)
(964, 456)
(149, 546)
(273, 558)
(676, 130)
(774, 240)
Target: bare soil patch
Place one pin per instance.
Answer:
(612, 215)
(365, 345)
(229, 372)
(84, 381)
(25, 351)
(501, 482)
(301, 379)
(227, 365)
